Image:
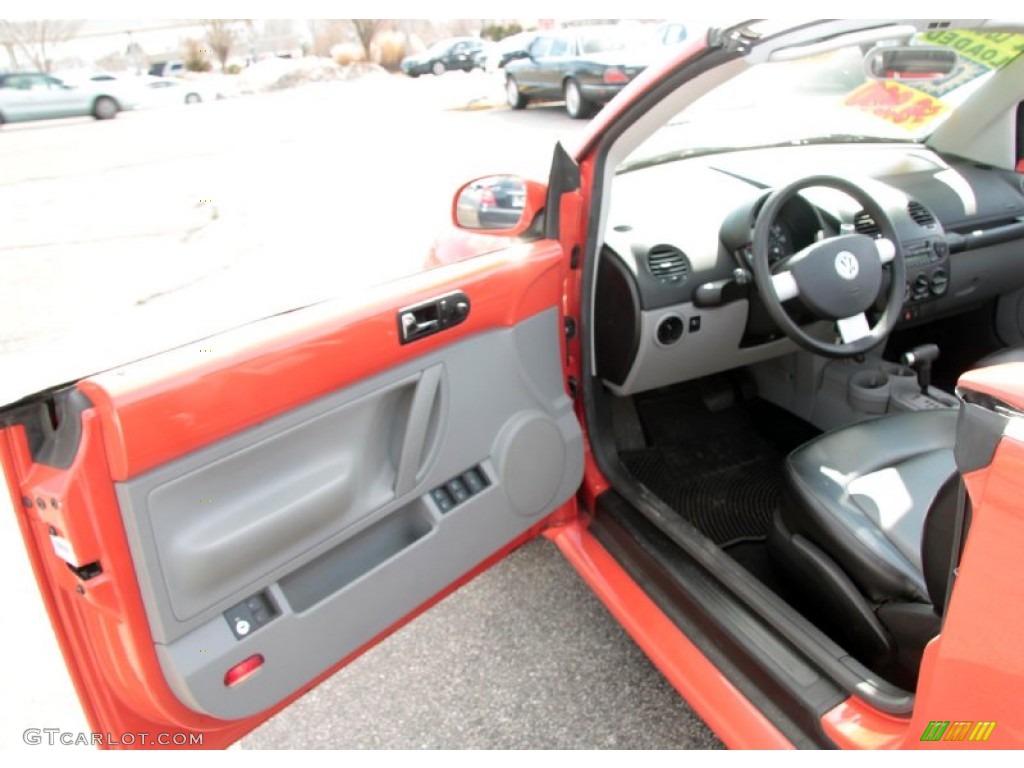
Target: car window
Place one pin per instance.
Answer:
(559, 47)
(540, 47)
(38, 82)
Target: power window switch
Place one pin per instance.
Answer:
(442, 499)
(458, 490)
(474, 481)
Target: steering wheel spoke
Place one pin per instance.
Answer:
(854, 328)
(886, 249)
(785, 286)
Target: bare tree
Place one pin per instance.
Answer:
(326, 33)
(366, 30)
(36, 38)
(222, 34)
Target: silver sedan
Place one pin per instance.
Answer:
(37, 96)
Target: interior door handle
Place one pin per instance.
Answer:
(413, 328)
(429, 317)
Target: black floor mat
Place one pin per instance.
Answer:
(721, 470)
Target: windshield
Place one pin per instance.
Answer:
(828, 97)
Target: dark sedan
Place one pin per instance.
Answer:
(454, 53)
(585, 66)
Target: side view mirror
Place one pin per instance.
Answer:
(499, 205)
(910, 62)
(512, 55)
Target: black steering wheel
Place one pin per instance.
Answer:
(836, 279)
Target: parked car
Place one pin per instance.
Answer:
(171, 68)
(452, 54)
(585, 66)
(497, 55)
(38, 96)
(704, 362)
(167, 91)
(496, 204)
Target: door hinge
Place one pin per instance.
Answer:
(570, 328)
(574, 258)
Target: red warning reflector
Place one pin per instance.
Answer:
(243, 669)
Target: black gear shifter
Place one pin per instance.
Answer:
(921, 359)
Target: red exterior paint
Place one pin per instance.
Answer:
(199, 396)
(856, 725)
(974, 670)
(737, 722)
(208, 390)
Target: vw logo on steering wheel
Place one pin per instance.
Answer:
(846, 265)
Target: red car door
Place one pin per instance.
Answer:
(218, 528)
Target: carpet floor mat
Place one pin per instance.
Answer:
(720, 469)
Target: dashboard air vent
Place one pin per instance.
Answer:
(920, 214)
(865, 224)
(668, 264)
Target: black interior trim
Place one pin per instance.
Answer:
(53, 424)
(564, 177)
(616, 332)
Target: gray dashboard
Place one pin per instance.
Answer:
(675, 298)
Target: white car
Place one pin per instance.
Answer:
(167, 91)
(38, 96)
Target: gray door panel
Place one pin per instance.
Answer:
(321, 528)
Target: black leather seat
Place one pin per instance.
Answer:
(866, 534)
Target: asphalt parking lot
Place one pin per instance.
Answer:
(122, 238)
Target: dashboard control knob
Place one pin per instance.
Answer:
(922, 286)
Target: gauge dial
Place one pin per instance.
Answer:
(779, 244)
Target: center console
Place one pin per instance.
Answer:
(878, 387)
(835, 393)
